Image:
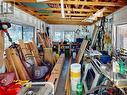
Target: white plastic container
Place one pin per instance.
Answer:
(75, 75)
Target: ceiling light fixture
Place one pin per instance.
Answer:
(62, 8)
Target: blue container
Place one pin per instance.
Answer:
(105, 59)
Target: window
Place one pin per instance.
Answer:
(64, 36)
(15, 33)
(58, 36)
(19, 32)
(28, 33)
(69, 36)
(121, 36)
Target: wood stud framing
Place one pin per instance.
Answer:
(73, 9)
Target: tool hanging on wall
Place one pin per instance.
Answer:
(4, 26)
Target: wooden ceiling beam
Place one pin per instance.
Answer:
(87, 3)
(73, 9)
(76, 14)
(64, 19)
(56, 17)
(21, 0)
(70, 23)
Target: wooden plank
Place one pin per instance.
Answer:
(35, 53)
(20, 68)
(41, 40)
(1, 48)
(48, 55)
(81, 51)
(69, 23)
(26, 52)
(67, 83)
(21, 0)
(59, 17)
(55, 74)
(74, 14)
(69, 9)
(88, 3)
(24, 49)
(10, 63)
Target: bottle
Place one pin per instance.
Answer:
(79, 89)
(122, 67)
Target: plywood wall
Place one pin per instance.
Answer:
(1, 48)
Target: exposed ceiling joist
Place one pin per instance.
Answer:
(70, 23)
(72, 9)
(21, 0)
(86, 3)
(59, 17)
(75, 10)
(64, 20)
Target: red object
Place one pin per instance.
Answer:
(14, 89)
(110, 91)
(2, 90)
(5, 30)
(11, 89)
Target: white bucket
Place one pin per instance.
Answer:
(75, 75)
(74, 82)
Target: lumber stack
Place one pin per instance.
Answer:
(55, 74)
(44, 40)
(34, 52)
(16, 65)
(81, 51)
(23, 57)
(29, 50)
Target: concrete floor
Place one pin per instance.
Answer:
(61, 83)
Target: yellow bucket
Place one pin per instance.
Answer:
(75, 75)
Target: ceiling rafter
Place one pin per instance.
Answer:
(58, 17)
(87, 3)
(73, 9)
(70, 23)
